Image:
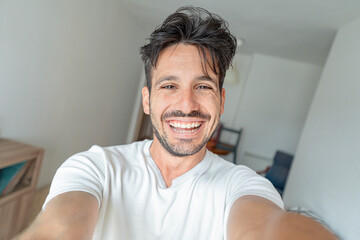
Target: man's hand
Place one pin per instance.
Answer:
(69, 215)
(253, 217)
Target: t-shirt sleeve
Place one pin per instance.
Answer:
(244, 181)
(81, 172)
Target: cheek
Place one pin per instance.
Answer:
(158, 105)
(212, 103)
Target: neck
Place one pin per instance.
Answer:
(172, 166)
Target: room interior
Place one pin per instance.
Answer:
(70, 74)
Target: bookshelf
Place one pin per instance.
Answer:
(16, 199)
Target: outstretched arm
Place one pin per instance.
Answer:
(70, 215)
(253, 217)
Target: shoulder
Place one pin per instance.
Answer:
(102, 162)
(140, 147)
(222, 167)
(135, 147)
(228, 174)
(118, 154)
(93, 170)
(239, 180)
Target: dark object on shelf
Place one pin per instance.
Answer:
(11, 176)
(221, 148)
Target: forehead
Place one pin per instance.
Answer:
(184, 57)
(179, 50)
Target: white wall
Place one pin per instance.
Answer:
(69, 72)
(325, 175)
(234, 92)
(274, 101)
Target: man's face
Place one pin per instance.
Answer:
(184, 105)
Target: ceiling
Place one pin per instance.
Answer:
(301, 30)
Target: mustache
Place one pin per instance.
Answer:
(179, 113)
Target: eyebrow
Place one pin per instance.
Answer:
(172, 78)
(166, 78)
(206, 78)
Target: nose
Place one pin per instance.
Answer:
(188, 101)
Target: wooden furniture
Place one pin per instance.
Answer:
(218, 147)
(15, 206)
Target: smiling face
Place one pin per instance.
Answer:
(185, 104)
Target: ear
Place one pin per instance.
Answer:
(222, 100)
(146, 100)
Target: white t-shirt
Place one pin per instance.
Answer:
(134, 202)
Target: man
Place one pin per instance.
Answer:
(171, 187)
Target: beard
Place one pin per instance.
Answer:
(179, 150)
(186, 147)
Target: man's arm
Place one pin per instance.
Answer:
(70, 215)
(253, 217)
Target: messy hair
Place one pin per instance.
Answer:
(198, 27)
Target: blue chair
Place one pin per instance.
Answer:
(279, 171)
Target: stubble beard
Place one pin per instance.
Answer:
(182, 149)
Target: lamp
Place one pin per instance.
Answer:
(232, 74)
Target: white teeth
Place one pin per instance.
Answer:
(182, 131)
(185, 126)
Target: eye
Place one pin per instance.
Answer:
(168, 87)
(204, 87)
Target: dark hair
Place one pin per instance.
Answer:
(195, 26)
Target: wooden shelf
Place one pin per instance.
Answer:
(15, 206)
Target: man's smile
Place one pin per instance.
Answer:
(185, 126)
